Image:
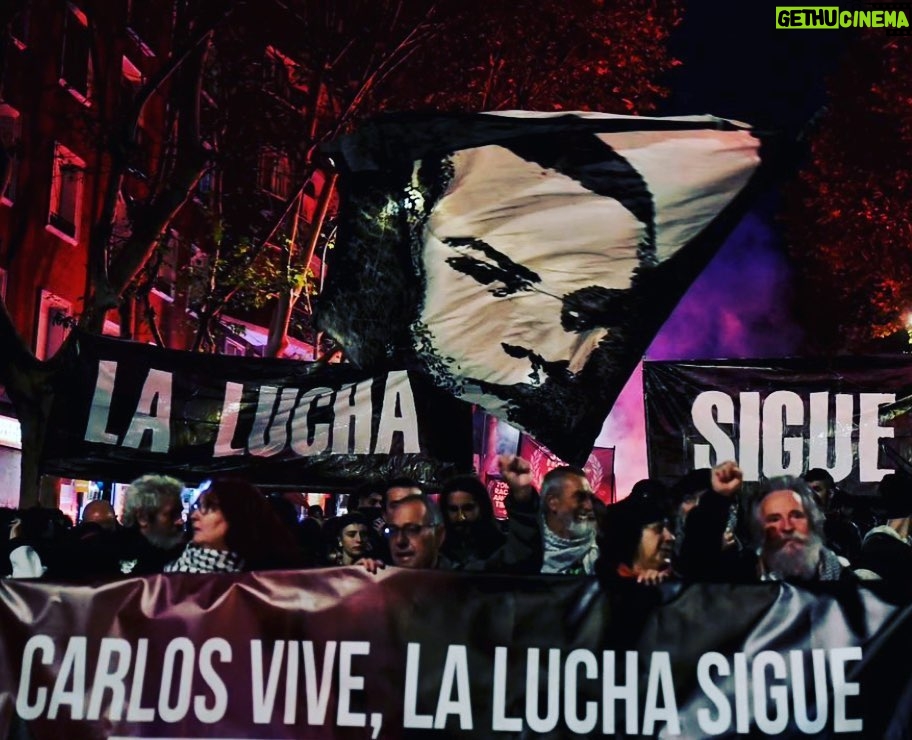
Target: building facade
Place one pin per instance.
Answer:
(81, 172)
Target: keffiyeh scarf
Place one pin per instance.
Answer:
(196, 559)
(571, 557)
(829, 568)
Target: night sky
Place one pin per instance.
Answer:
(736, 64)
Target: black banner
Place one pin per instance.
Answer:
(122, 409)
(337, 653)
(849, 415)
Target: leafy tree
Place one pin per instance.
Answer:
(377, 56)
(551, 55)
(325, 59)
(344, 61)
(849, 214)
(150, 189)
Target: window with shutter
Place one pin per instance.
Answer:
(10, 132)
(76, 62)
(66, 194)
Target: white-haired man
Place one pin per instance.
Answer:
(567, 521)
(153, 524)
(787, 532)
(152, 536)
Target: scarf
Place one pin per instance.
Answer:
(575, 556)
(829, 568)
(196, 559)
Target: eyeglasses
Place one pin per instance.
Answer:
(203, 507)
(411, 531)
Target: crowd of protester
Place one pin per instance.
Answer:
(708, 526)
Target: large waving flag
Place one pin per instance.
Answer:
(525, 260)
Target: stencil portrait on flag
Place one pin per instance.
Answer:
(522, 260)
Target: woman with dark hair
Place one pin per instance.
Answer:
(635, 541)
(234, 529)
(349, 539)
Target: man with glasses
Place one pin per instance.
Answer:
(415, 532)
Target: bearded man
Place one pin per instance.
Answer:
(472, 531)
(790, 527)
(152, 535)
(787, 531)
(569, 523)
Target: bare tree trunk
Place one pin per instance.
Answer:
(281, 317)
(6, 170)
(28, 383)
(320, 217)
(110, 277)
(33, 419)
(277, 340)
(126, 318)
(152, 320)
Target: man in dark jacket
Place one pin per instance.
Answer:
(840, 533)
(887, 549)
(415, 532)
(152, 536)
(472, 531)
(786, 527)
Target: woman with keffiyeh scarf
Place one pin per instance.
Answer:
(234, 529)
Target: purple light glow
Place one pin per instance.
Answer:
(737, 308)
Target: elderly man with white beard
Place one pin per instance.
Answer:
(569, 531)
(567, 516)
(787, 531)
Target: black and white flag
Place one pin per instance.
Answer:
(525, 260)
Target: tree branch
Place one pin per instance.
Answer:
(108, 280)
